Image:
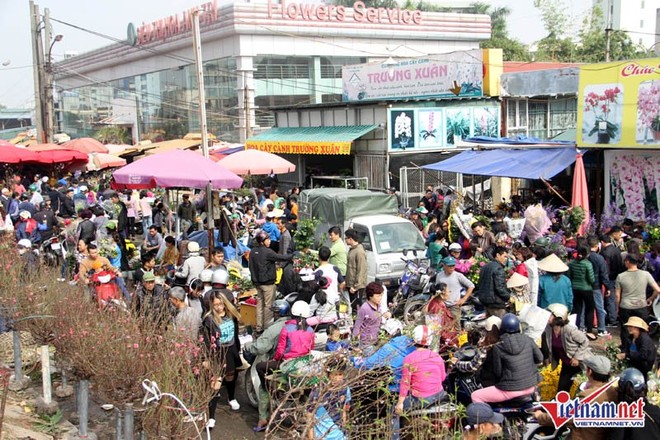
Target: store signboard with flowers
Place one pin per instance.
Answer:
(413, 129)
(620, 104)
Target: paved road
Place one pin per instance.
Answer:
(236, 425)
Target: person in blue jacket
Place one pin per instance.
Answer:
(391, 354)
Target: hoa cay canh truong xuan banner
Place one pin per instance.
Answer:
(438, 76)
(619, 104)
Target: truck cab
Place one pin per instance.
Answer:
(385, 239)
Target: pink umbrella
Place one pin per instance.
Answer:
(101, 161)
(59, 156)
(86, 145)
(13, 154)
(256, 162)
(46, 147)
(175, 169)
(580, 191)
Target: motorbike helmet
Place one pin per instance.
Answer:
(24, 243)
(25, 215)
(261, 237)
(632, 379)
(220, 276)
(510, 324)
(393, 326)
(455, 247)
(206, 275)
(559, 310)
(301, 309)
(193, 247)
(281, 306)
(422, 335)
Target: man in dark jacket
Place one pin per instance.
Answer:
(263, 273)
(56, 198)
(186, 213)
(67, 208)
(46, 216)
(612, 256)
(493, 293)
(601, 280)
(121, 213)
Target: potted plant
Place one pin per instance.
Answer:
(601, 106)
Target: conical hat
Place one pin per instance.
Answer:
(553, 264)
(517, 280)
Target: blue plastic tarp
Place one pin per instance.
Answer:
(531, 163)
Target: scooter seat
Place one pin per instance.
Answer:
(515, 402)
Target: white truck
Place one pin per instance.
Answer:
(374, 216)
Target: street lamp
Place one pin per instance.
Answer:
(58, 37)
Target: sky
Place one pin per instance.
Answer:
(111, 17)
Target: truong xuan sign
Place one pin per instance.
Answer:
(438, 76)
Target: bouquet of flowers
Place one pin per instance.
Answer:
(475, 269)
(108, 249)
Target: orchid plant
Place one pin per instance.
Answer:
(601, 106)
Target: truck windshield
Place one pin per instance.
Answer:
(395, 237)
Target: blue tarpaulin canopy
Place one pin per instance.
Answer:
(528, 163)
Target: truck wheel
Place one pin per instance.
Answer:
(413, 312)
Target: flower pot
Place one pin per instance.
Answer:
(603, 138)
(656, 135)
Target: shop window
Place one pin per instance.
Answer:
(516, 114)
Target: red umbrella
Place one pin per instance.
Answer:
(4, 143)
(86, 145)
(46, 147)
(60, 156)
(13, 154)
(580, 191)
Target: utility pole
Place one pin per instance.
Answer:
(199, 67)
(608, 31)
(37, 62)
(48, 82)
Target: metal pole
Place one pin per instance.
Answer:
(37, 60)
(199, 67)
(83, 402)
(118, 424)
(608, 31)
(18, 361)
(128, 421)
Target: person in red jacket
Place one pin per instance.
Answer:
(296, 340)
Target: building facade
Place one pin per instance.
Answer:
(638, 18)
(257, 55)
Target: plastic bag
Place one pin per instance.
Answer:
(537, 222)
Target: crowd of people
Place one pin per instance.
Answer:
(606, 280)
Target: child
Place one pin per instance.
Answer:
(329, 412)
(442, 321)
(335, 343)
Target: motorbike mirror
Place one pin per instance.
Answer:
(415, 253)
(405, 252)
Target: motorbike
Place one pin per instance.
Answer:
(416, 280)
(105, 289)
(53, 251)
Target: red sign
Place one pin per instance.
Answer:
(359, 13)
(176, 24)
